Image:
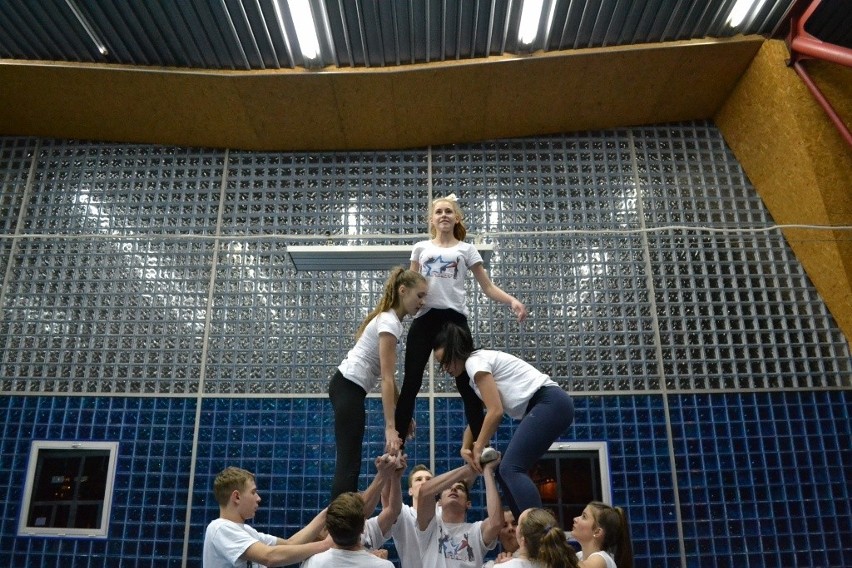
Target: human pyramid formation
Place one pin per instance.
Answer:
(491, 383)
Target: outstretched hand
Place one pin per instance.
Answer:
(472, 459)
(492, 465)
(520, 310)
(389, 466)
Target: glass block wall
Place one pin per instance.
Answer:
(148, 298)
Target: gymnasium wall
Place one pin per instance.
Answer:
(148, 298)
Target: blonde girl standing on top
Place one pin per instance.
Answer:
(371, 361)
(444, 261)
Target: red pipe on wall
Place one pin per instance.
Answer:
(823, 102)
(803, 46)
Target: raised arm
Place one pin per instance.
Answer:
(491, 526)
(387, 359)
(385, 466)
(392, 507)
(493, 417)
(494, 292)
(309, 533)
(472, 404)
(284, 554)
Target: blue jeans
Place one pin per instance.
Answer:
(549, 413)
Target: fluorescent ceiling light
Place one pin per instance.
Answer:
(88, 27)
(370, 257)
(306, 29)
(530, 20)
(739, 12)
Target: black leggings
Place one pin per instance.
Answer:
(418, 347)
(350, 419)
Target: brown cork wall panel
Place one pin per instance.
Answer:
(801, 167)
(387, 108)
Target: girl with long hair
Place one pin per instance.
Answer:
(371, 361)
(604, 535)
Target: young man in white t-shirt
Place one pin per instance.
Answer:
(231, 543)
(404, 531)
(345, 524)
(446, 539)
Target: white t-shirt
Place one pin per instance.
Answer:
(610, 562)
(518, 563)
(337, 558)
(372, 536)
(225, 541)
(362, 365)
(517, 381)
(453, 545)
(404, 532)
(445, 269)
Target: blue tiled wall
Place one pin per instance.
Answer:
(151, 480)
(762, 477)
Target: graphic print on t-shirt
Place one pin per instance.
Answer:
(437, 267)
(455, 550)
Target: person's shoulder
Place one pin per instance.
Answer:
(370, 560)
(484, 355)
(219, 522)
(606, 556)
(388, 315)
(317, 560)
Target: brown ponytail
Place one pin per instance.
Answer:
(616, 541)
(545, 540)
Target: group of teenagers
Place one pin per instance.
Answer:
(434, 531)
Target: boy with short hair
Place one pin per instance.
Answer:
(231, 543)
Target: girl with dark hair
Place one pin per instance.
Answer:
(604, 535)
(372, 360)
(506, 384)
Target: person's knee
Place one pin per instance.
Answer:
(507, 471)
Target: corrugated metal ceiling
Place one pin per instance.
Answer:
(260, 34)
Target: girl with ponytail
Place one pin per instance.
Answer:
(604, 534)
(370, 362)
(542, 543)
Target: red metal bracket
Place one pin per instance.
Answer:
(803, 46)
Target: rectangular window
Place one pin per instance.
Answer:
(68, 490)
(570, 475)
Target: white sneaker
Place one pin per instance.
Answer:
(489, 454)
